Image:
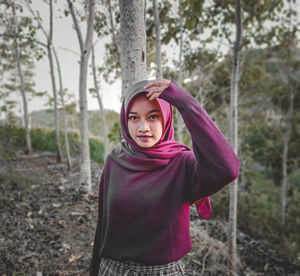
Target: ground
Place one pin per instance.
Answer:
(48, 222)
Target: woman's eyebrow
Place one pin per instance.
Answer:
(154, 110)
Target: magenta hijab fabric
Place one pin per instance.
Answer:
(136, 158)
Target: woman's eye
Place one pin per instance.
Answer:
(132, 117)
(153, 116)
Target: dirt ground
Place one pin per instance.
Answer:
(48, 222)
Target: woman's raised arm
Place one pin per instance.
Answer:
(214, 163)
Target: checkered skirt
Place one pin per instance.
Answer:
(110, 267)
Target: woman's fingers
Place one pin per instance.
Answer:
(156, 87)
(154, 92)
(154, 96)
(159, 82)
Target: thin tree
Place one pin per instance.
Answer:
(288, 130)
(97, 91)
(112, 26)
(85, 49)
(132, 42)
(53, 81)
(61, 93)
(157, 40)
(178, 115)
(21, 79)
(49, 37)
(234, 90)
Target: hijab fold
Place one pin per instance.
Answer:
(134, 158)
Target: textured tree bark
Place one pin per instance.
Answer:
(53, 83)
(157, 40)
(28, 148)
(178, 116)
(103, 119)
(234, 133)
(85, 48)
(132, 42)
(145, 11)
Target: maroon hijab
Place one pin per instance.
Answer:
(135, 158)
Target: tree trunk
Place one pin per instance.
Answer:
(49, 50)
(157, 40)
(113, 31)
(63, 110)
(178, 116)
(50, 47)
(103, 119)
(145, 11)
(243, 170)
(284, 182)
(200, 96)
(288, 132)
(132, 42)
(85, 48)
(85, 166)
(234, 134)
(22, 84)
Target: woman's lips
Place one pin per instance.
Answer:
(144, 138)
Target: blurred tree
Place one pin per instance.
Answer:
(21, 78)
(18, 51)
(291, 82)
(49, 46)
(159, 73)
(234, 91)
(96, 92)
(85, 48)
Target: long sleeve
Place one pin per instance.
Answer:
(95, 262)
(214, 163)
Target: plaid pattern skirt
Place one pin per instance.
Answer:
(110, 267)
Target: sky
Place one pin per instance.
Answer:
(66, 42)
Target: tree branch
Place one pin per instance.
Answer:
(90, 25)
(36, 18)
(76, 24)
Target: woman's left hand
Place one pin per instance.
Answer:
(156, 87)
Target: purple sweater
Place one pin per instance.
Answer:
(149, 223)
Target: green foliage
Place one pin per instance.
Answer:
(13, 135)
(96, 151)
(114, 134)
(259, 212)
(44, 141)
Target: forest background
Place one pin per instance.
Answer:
(197, 42)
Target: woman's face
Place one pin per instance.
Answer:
(145, 121)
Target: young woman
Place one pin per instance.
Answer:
(150, 181)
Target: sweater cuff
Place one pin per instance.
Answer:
(174, 95)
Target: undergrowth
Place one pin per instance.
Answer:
(44, 141)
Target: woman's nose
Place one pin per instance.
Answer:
(143, 126)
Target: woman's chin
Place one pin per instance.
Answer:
(145, 144)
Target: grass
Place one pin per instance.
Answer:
(13, 140)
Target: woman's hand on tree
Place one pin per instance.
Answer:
(156, 87)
